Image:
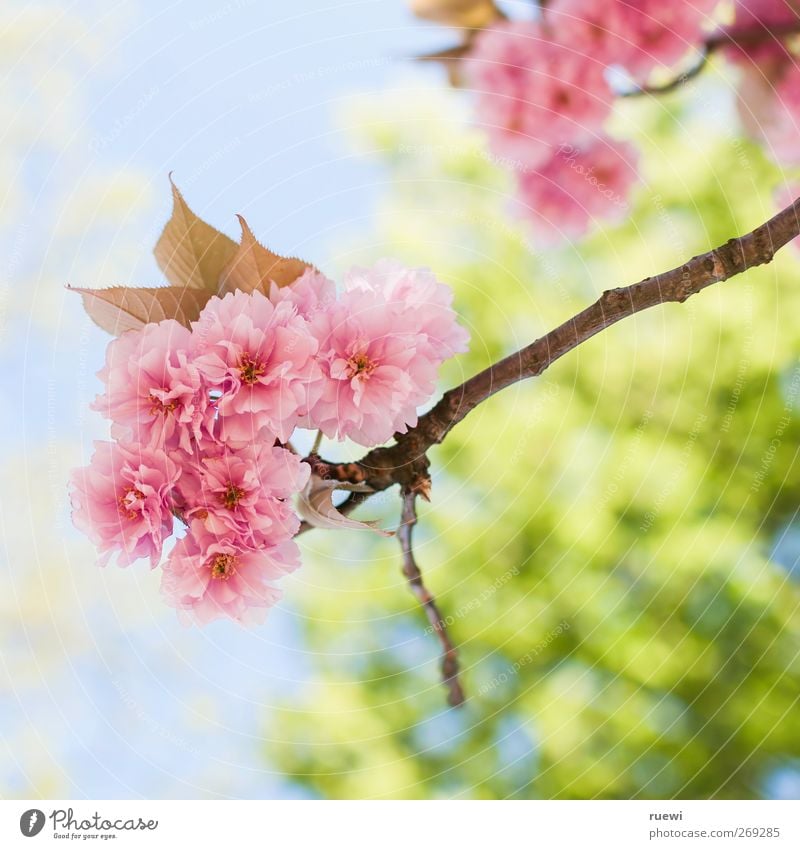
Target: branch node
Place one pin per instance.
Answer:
(422, 486)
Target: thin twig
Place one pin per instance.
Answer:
(673, 84)
(455, 695)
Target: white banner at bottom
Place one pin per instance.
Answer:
(385, 825)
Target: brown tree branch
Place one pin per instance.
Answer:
(455, 694)
(405, 462)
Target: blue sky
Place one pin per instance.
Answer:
(238, 98)
(108, 696)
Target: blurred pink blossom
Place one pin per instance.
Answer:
(533, 92)
(650, 34)
(580, 185)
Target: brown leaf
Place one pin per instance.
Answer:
(469, 14)
(253, 266)
(122, 308)
(200, 262)
(189, 251)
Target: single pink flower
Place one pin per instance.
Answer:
(210, 576)
(374, 375)
(122, 501)
(260, 358)
(534, 92)
(579, 185)
(368, 385)
(154, 394)
(419, 303)
(380, 348)
(246, 492)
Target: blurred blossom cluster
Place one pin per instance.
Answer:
(546, 90)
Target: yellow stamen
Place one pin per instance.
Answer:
(250, 369)
(360, 365)
(159, 407)
(223, 566)
(232, 496)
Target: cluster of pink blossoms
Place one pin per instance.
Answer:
(200, 419)
(545, 90)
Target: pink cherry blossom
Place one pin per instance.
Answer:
(246, 492)
(533, 92)
(768, 101)
(649, 34)
(154, 394)
(639, 35)
(380, 348)
(418, 301)
(372, 373)
(579, 185)
(260, 358)
(122, 501)
(209, 576)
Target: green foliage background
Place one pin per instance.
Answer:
(613, 541)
